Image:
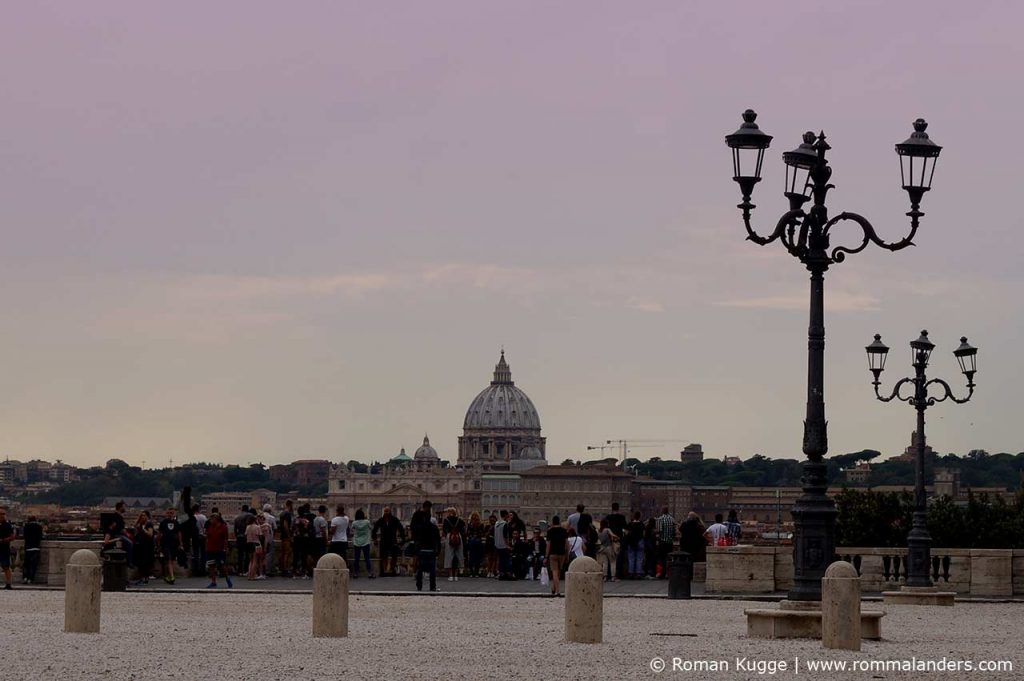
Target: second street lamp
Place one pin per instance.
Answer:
(919, 540)
(806, 235)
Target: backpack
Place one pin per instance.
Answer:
(454, 537)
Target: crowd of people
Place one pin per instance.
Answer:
(289, 543)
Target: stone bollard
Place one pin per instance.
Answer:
(584, 601)
(840, 607)
(82, 593)
(330, 597)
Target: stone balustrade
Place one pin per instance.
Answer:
(990, 573)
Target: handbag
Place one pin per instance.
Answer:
(544, 576)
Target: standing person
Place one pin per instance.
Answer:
(115, 534)
(216, 550)
(339, 534)
(389, 535)
(321, 535)
(476, 534)
(6, 537)
(718, 532)
(691, 538)
(300, 542)
(170, 540)
(617, 524)
(428, 541)
(516, 524)
(538, 551)
(577, 545)
(635, 547)
(573, 521)
(241, 546)
(585, 531)
(666, 539)
(199, 541)
(268, 555)
(651, 548)
(454, 529)
(361, 531)
(735, 528)
(608, 552)
(520, 555)
(32, 533)
(253, 535)
(555, 552)
(145, 548)
(502, 548)
(284, 525)
(490, 552)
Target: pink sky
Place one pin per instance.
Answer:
(262, 232)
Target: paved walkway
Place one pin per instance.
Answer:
(407, 584)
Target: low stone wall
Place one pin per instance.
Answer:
(740, 569)
(53, 558)
(764, 569)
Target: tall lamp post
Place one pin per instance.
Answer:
(806, 235)
(919, 541)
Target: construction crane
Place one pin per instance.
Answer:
(625, 445)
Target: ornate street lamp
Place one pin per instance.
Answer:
(919, 541)
(806, 235)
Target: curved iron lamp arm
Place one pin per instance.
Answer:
(790, 220)
(895, 391)
(870, 236)
(947, 392)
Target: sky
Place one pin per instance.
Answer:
(258, 232)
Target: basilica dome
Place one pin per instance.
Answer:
(426, 452)
(502, 405)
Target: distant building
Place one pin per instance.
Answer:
(501, 431)
(404, 483)
(303, 473)
(859, 474)
(947, 482)
(139, 503)
(692, 453)
(711, 499)
(230, 503)
(546, 491)
(732, 460)
(650, 496)
(910, 453)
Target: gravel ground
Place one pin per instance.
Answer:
(266, 637)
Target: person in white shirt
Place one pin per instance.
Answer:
(339, 533)
(576, 544)
(269, 551)
(717, 532)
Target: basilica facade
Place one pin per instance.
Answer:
(501, 437)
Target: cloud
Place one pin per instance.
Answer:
(835, 301)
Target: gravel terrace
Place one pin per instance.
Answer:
(264, 637)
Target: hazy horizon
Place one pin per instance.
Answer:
(256, 233)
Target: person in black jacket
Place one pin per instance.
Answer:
(32, 533)
(428, 540)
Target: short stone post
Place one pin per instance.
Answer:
(330, 597)
(840, 607)
(82, 593)
(584, 601)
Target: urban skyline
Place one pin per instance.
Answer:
(310, 240)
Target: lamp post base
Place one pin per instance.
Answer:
(919, 595)
(802, 619)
